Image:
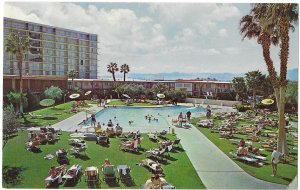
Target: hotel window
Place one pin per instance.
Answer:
(6, 31)
(18, 25)
(7, 23)
(48, 30)
(93, 38)
(187, 85)
(178, 85)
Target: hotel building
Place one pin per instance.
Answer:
(54, 51)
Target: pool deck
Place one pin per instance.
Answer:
(215, 169)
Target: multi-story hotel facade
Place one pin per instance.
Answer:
(54, 51)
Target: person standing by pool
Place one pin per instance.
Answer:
(93, 122)
(188, 115)
(275, 160)
(180, 119)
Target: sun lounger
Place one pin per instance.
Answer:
(73, 173)
(109, 173)
(124, 172)
(152, 136)
(257, 156)
(92, 174)
(58, 177)
(245, 158)
(157, 154)
(155, 167)
(34, 116)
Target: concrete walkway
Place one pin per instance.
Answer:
(71, 123)
(214, 168)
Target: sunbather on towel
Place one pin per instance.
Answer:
(54, 171)
(156, 182)
(242, 151)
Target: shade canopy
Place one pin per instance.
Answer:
(161, 96)
(73, 96)
(88, 93)
(47, 102)
(126, 95)
(267, 101)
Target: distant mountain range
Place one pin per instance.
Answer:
(291, 75)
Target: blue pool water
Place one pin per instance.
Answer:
(158, 115)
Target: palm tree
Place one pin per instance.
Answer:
(112, 68)
(15, 98)
(254, 80)
(18, 45)
(72, 74)
(275, 20)
(239, 86)
(124, 69)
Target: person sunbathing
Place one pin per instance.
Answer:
(156, 182)
(242, 151)
(53, 171)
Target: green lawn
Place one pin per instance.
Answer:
(30, 169)
(49, 115)
(286, 171)
(118, 102)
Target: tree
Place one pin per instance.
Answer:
(292, 93)
(159, 88)
(119, 89)
(10, 121)
(73, 74)
(239, 86)
(124, 69)
(274, 22)
(254, 81)
(53, 92)
(18, 45)
(267, 89)
(112, 68)
(15, 98)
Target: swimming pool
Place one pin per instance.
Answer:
(158, 116)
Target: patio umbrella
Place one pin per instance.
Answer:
(88, 93)
(73, 96)
(126, 96)
(267, 101)
(47, 102)
(161, 96)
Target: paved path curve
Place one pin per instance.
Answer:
(216, 169)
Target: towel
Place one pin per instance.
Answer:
(124, 171)
(48, 157)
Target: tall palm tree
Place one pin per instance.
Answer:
(239, 86)
(73, 74)
(254, 80)
(124, 69)
(112, 68)
(274, 21)
(18, 45)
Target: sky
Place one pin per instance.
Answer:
(160, 37)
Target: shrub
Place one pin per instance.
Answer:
(242, 108)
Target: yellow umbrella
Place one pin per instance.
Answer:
(267, 101)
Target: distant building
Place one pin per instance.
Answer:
(54, 51)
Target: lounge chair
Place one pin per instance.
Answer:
(78, 148)
(92, 174)
(33, 115)
(155, 167)
(61, 157)
(176, 143)
(102, 139)
(33, 146)
(124, 172)
(246, 159)
(109, 173)
(152, 137)
(60, 171)
(73, 173)
(157, 154)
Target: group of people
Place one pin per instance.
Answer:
(187, 117)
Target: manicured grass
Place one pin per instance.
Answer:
(33, 169)
(118, 102)
(49, 115)
(286, 171)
